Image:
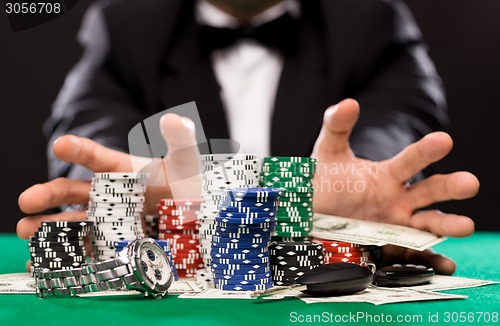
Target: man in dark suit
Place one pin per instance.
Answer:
(286, 59)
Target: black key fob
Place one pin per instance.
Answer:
(336, 279)
(403, 275)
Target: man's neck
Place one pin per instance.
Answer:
(244, 10)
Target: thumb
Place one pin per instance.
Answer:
(182, 161)
(338, 122)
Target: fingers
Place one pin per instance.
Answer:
(54, 193)
(27, 226)
(439, 188)
(442, 224)
(419, 155)
(429, 258)
(338, 122)
(90, 154)
(182, 163)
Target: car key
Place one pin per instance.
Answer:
(399, 275)
(329, 280)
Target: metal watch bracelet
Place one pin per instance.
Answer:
(112, 274)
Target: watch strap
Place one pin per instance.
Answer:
(111, 274)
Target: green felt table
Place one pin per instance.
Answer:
(477, 257)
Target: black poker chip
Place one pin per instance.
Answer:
(56, 265)
(42, 259)
(67, 249)
(73, 234)
(278, 258)
(47, 244)
(70, 224)
(55, 239)
(54, 229)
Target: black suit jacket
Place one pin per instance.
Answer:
(142, 57)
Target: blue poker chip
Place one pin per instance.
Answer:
(250, 241)
(239, 256)
(230, 261)
(245, 202)
(260, 267)
(242, 232)
(242, 277)
(253, 192)
(252, 287)
(259, 234)
(240, 246)
(245, 220)
(239, 273)
(269, 210)
(246, 215)
(266, 280)
(243, 251)
(237, 226)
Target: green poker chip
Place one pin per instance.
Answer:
(291, 159)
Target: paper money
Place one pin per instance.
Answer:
(442, 282)
(18, 283)
(379, 296)
(365, 232)
(218, 294)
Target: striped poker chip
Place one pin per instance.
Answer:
(66, 249)
(251, 287)
(121, 175)
(67, 224)
(56, 265)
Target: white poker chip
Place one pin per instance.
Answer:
(122, 175)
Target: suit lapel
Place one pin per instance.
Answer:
(301, 100)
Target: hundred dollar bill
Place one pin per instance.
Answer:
(365, 232)
(443, 282)
(379, 296)
(17, 283)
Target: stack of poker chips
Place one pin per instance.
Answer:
(58, 245)
(346, 252)
(120, 245)
(115, 207)
(151, 226)
(178, 223)
(243, 227)
(289, 260)
(221, 172)
(295, 208)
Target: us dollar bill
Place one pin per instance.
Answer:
(338, 228)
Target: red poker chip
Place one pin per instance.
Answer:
(345, 260)
(192, 255)
(347, 255)
(188, 265)
(162, 227)
(332, 243)
(188, 273)
(342, 250)
(178, 221)
(173, 213)
(188, 261)
(184, 251)
(181, 246)
(184, 241)
(180, 236)
(168, 232)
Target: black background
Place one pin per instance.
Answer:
(463, 38)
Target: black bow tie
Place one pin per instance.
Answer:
(281, 33)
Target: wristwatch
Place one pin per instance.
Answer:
(141, 266)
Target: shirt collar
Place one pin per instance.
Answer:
(208, 14)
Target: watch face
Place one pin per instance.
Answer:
(154, 267)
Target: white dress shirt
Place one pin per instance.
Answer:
(248, 74)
